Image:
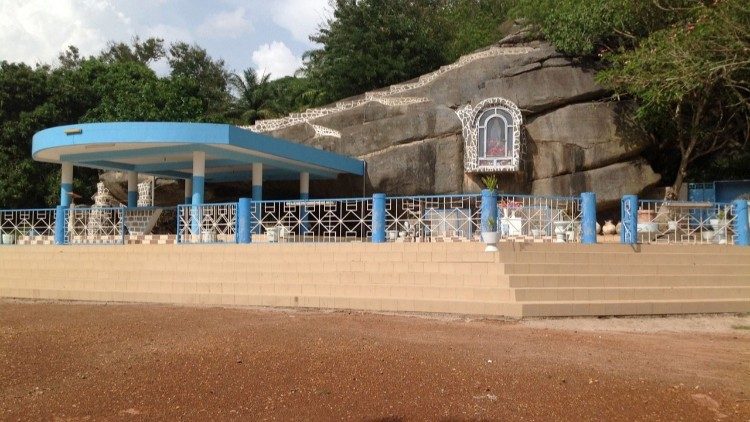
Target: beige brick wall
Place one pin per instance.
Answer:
(520, 280)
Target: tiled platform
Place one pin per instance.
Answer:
(520, 280)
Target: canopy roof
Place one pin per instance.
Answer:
(166, 150)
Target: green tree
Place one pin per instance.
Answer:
(692, 82)
(374, 43)
(472, 24)
(150, 50)
(584, 27)
(191, 62)
(253, 97)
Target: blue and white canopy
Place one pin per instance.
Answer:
(167, 149)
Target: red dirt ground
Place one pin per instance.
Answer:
(87, 361)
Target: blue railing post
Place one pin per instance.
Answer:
(588, 218)
(489, 209)
(243, 220)
(378, 218)
(60, 225)
(741, 229)
(629, 220)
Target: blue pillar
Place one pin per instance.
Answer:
(741, 229)
(199, 185)
(65, 194)
(629, 220)
(257, 193)
(489, 209)
(60, 224)
(378, 218)
(243, 221)
(588, 219)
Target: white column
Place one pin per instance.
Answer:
(188, 191)
(257, 181)
(304, 185)
(66, 184)
(132, 189)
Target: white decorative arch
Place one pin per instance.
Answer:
(476, 161)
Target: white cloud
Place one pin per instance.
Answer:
(301, 17)
(229, 24)
(275, 59)
(38, 30)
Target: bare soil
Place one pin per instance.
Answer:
(121, 362)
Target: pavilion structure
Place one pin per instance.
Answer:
(195, 152)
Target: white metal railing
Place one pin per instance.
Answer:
(458, 218)
(95, 225)
(207, 223)
(539, 218)
(684, 222)
(314, 220)
(426, 218)
(27, 226)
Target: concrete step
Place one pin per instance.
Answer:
(642, 270)
(452, 306)
(616, 258)
(626, 280)
(487, 294)
(566, 294)
(633, 307)
(573, 248)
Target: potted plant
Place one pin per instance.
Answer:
(719, 222)
(490, 236)
(489, 226)
(9, 238)
(512, 225)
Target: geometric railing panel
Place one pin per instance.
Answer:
(207, 223)
(23, 226)
(319, 220)
(675, 222)
(95, 225)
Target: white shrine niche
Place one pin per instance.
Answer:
(492, 136)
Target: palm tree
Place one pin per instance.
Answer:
(254, 97)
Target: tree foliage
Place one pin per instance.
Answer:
(692, 82)
(386, 41)
(684, 62)
(585, 27)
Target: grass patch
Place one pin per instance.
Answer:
(741, 327)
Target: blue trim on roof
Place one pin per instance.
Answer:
(189, 136)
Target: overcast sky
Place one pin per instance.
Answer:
(269, 35)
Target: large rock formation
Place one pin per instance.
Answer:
(574, 138)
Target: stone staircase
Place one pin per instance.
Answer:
(520, 280)
(582, 280)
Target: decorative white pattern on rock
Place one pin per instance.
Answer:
(325, 131)
(384, 97)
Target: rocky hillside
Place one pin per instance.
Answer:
(574, 139)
